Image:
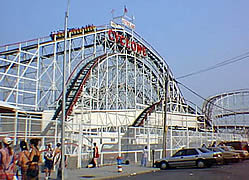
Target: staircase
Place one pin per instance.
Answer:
(143, 116)
(74, 90)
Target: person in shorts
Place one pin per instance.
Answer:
(7, 160)
(35, 160)
(95, 155)
(23, 159)
(48, 156)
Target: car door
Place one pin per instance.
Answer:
(190, 157)
(177, 159)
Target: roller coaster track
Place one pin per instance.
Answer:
(231, 114)
(35, 46)
(157, 64)
(74, 89)
(143, 116)
(210, 104)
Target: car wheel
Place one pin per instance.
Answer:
(164, 165)
(200, 164)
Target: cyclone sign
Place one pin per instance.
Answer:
(126, 42)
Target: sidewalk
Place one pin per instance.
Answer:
(105, 172)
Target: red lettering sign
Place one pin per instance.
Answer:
(139, 48)
(122, 40)
(110, 34)
(126, 42)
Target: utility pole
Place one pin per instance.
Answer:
(64, 98)
(165, 127)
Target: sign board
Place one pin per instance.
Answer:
(126, 42)
(114, 25)
(128, 23)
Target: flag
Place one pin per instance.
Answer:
(125, 10)
(112, 12)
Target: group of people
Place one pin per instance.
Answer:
(211, 145)
(28, 159)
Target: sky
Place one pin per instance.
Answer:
(189, 34)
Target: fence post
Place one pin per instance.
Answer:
(101, 158)
(187, 133)
(15, 127)
(171, 139)
(79, 147)
(153, 157)
(135, 157)
(119, 141)
(148, 143)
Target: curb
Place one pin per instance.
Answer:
(127, 174)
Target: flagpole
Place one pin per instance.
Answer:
(112, 13)
(125, 10)
(64, 96)
(165, 127)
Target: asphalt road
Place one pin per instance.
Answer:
(234, 171)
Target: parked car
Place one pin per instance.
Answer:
(228, 156)
(243, 153)
(237, 145)
(199, 157)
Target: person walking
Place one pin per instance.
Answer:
(144, 156)
(95, 155)
(57, 158)
(7, 160)
(214, 144)
(48, 156)
(35, 160)
(204, 146)
(57, 162)
(23, 159)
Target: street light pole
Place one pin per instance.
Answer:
(165, 127)
(64, 97)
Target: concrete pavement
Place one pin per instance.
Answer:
(105, 172)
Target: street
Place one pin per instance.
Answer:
(218, 172)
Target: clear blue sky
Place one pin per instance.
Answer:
(189, 34)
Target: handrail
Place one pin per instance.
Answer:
(72, 73)
(147, 111)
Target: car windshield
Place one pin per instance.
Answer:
(203, 150)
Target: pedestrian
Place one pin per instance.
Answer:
(35, 160)
(57, 157)
(23, 159)
(204, 146)
(214, 144)
(7, 160)
(57, 161)
(221, 144)
(48, 156)
(95, 155)
(144, 156)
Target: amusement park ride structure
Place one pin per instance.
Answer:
(229, 111)
(115, 81)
